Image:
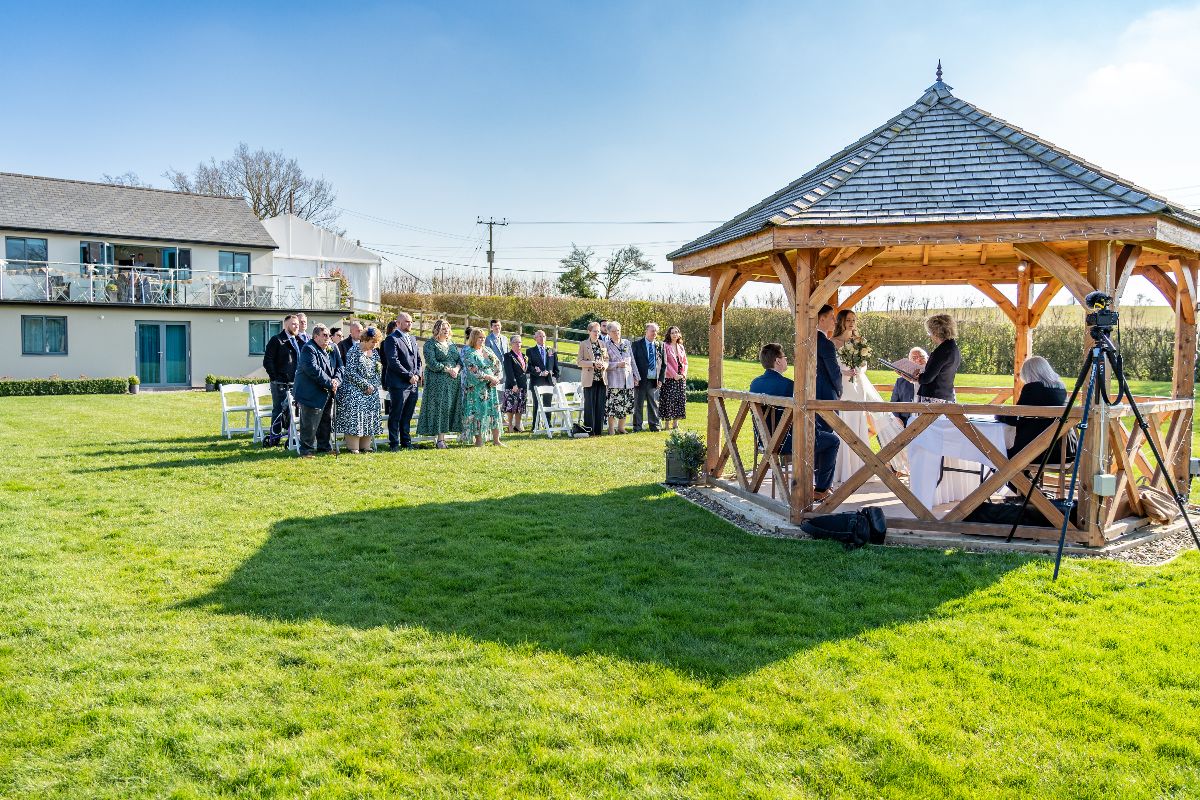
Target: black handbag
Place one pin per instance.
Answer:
(852, 528)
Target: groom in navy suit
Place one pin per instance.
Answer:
(829, 387)
(402, 375)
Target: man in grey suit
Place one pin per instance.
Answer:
(648, 369)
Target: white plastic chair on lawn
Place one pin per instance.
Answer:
(384, 402)
(553, 416)
(236, 400)
(570, 395)
(260, 396)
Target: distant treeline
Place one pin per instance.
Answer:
(987, 344)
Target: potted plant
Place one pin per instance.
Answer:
(210, 383)
(685, 455)
(134, 384)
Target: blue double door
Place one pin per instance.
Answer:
(163, 354)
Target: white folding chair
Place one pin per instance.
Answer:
(260, 397)
(571, 396)
(384, 402)
(236, 399)
(553, 416)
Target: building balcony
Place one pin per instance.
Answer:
(64, 283)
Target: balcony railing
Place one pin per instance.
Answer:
(61, 282)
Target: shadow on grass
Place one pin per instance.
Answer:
(206, 454)
(633, 573)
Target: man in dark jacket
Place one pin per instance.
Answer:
(279, 360)
(543, 370)
(648, 369)
(356, 329)
(318, 375)
(402, 371)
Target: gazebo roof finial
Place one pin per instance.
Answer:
(939, 71)
(940, 87)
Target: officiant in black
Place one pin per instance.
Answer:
(936, 380)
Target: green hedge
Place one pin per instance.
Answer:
(49, 386)
(217, 380)
(697, 396)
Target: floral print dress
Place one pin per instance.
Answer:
(481, 401)
(619, 379)
(359, 413)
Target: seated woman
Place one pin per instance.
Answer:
(905, 391)
(936, 380)
(1042, 387)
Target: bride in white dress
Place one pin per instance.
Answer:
(857, 386)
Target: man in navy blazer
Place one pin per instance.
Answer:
(318, 376)
(402, 376)
(829, 387)
(825, 443)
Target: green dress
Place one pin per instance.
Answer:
(481, 402)
(440, 409)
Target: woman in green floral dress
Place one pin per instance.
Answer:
(481, 401)
(440, 409)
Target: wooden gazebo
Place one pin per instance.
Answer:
(946, 194)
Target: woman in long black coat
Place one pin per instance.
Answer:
(1042, 387)
(937, 378)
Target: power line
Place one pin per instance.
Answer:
(385, 221)
(502, 269)
(533, 246)
(618, 222)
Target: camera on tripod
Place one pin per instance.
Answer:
(1101, 314)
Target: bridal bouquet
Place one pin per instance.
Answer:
(854, 354)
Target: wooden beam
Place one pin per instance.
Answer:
(858, 295)
(983, 254)
(881, 470)
(785, 270)
(997, 297)
(1159, 280)
(1057, 266)
(828, 287)
(804, 371)
(717, 282)
(925, 255)
(719, 288)
(1024, 330)
(1183, 383)
(1127, 261)
(1185, 289)
(761, 242)
(1043, 301)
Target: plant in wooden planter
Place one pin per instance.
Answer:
(685, 455)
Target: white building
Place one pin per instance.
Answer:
(109, 281)
(312, 251)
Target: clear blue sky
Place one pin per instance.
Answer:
(431, 114)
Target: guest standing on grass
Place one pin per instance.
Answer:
(358, 417)
(516, 385)
(316, 384)
(495, 339)
(618, 378)
(673, 396)
(481, 407)
(936, 380)
(402, 358)
(593, 361)
(355, 328)
(441, 409)
(279, 360)
(543, 370)
(648, 369)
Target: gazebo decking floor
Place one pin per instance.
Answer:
(875, 493)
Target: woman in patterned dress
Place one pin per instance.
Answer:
(441, 412)
(672, 401)
(481, 403)
(516, 386)
(618, 378)
(359, 415)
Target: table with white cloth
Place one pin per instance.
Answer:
(943, 439)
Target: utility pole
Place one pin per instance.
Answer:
(491, 252)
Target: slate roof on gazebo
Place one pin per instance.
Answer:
(945, 160)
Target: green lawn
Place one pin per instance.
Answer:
(184, 616)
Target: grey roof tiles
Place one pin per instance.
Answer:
(944, 160)
(53, 205)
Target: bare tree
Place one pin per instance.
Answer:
(129, 178)
(626, 264)
(272, 184)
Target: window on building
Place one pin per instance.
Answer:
(21, 252)
(233, 265)
(96, 258)
(261, 331)
(43, 336)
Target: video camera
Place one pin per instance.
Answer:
(1101, 314)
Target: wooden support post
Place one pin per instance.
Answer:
(1183, 379)
(718, 281)
(1023, 324)
(804, 373)
(1101, 260)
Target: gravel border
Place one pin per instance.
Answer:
(1151, 554)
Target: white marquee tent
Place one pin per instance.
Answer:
(308, 250)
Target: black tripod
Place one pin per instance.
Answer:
(1097, 386)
